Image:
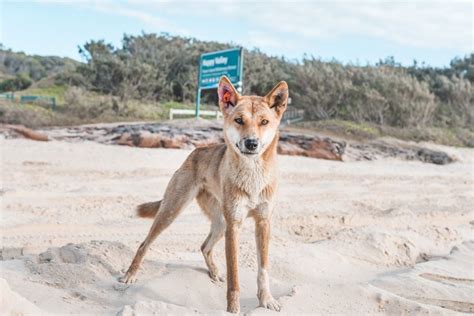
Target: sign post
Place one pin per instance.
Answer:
(214, 65)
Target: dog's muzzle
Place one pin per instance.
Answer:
(249, 146)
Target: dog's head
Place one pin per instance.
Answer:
(251, 122)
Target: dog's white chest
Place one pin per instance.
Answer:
(251, 178)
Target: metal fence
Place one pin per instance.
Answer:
(292, 116)
(10, 96)
(39, 99)
(7, 96)
(174, 112)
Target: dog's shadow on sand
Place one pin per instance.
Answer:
(189, 285)
(178, 267)
(91, 271)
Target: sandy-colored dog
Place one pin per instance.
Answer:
(230, 181)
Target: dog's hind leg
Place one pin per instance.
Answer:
(211, 207)
(180, 191)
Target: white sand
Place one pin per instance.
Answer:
(375, 237)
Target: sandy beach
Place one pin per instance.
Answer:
(348, 238)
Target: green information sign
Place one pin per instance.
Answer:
(214, 65)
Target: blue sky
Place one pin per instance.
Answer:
(350, 30)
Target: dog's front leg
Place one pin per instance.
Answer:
(231, 253)
(262, 237)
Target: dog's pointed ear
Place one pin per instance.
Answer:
(277, 99)
(228, 96)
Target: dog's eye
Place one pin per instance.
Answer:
(264, 122)
(239, 121)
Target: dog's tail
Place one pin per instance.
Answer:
(149, 209)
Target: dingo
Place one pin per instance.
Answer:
(230, 181)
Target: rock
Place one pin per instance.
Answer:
(326, 149)
(180, 141)
(314, 147)
(433, 156)
(28, 133)
(125, 139)
(192, 134)
(289, 149)
(376, 149)
(147, 140)
(207, 141)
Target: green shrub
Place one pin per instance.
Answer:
(20, 82)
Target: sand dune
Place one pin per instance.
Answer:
(374, 237)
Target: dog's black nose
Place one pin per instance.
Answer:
(251, 144)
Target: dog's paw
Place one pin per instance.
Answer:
(233, 308)
(233, 304)
(127, 279)
(270, 303)
(216, 277)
